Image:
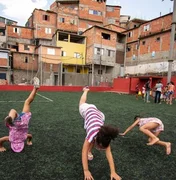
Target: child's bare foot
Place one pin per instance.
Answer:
(90, 156)
(2, 149)
(168, 148)
(29, 143)
(153, 141)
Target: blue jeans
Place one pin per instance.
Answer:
(157, 96)
(147, 95)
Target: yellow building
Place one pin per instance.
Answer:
(73, 51)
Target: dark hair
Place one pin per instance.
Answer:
(106, 134)
(8, 120)
(136, 117)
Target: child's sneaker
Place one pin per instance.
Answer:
(36, 82)
(86, 87)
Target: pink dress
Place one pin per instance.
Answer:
(18, 132)
(144, 121)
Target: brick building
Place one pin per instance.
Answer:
(77, 16)
(104, 47)
(43, 22)
(74, 17)
(5, 63)
(148, 45)
(93, 40)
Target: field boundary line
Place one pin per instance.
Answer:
(21, 101)
(45, 97)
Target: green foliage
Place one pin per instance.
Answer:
(58, 136)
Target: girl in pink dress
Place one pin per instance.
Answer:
(18, 124)
(151, 127)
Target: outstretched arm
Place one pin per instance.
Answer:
(2, 140)
(114, 175)
(130, 128)
(85, 149)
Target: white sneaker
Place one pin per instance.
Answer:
(36, 82)
(86, 87)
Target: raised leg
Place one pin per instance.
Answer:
(28, 101)
(83, 98)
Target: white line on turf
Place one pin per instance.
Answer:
(45, 97)
(22, 101)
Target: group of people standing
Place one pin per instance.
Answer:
(161, 92)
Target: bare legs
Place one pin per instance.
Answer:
(13, 114)
(153, 137)
(26, 107)
(146, 129)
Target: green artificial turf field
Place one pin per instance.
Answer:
(58, 136)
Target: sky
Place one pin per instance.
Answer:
(20, 10)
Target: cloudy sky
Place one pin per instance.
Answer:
(20, 10)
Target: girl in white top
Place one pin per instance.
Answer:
(97, 135)
(151, 127)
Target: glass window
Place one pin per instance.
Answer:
(16, 30)
(48, 30)
(26, 47)
(62, 20)
(51, 51)
(63, 53)
(77, 55)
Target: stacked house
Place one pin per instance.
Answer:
(82, 42)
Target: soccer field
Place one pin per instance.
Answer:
(58, 136)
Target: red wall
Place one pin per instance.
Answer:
(127, 85)
(51, 88)
(121, 85)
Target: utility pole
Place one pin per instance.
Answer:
(172, 41)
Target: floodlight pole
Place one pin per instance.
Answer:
(172, 41)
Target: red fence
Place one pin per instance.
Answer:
(121, 85)
(51, 88)
(127, 85)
